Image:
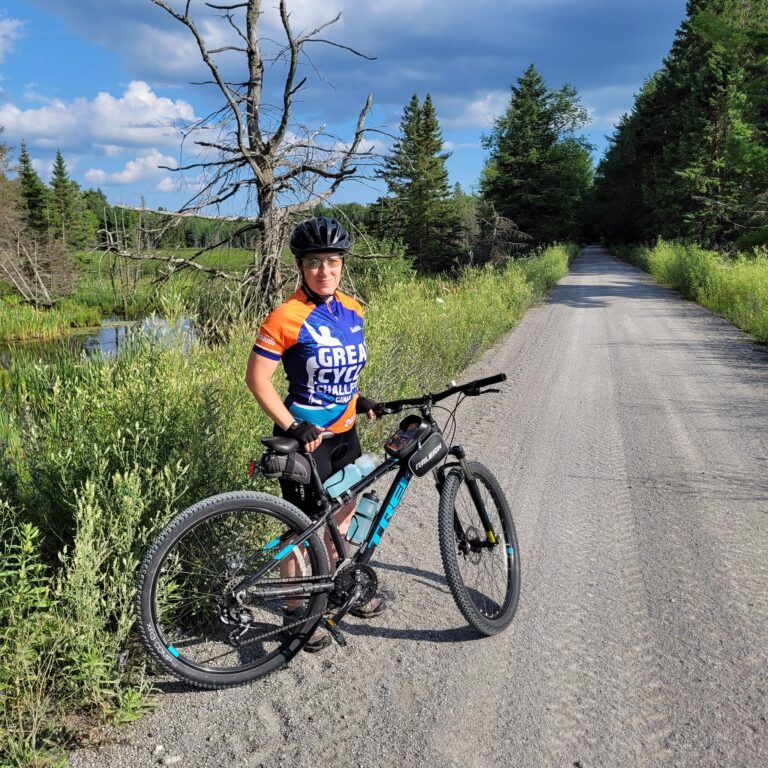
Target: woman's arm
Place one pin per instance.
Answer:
(258, 377)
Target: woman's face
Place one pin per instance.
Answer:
(322, 272)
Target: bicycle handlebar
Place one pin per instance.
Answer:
(471, 388)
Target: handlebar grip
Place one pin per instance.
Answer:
(498, 378)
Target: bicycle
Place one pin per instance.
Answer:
(214, 587)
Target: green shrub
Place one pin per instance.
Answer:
(736, 288)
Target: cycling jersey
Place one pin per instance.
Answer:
(322, 350)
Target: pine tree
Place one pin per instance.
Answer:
(538, 172)
(33, 193)
(421, 211)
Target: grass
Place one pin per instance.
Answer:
(21, 321)
(96, 456)
(735, 288)
(131, 292)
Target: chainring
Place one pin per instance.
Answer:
(347, 579)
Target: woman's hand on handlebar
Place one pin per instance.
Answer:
(370, 408)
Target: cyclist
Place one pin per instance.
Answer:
(317, 334)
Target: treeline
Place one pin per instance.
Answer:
(532, 188)
(531, 192)
(83, 218)
(691, 159)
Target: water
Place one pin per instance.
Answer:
(107, 339)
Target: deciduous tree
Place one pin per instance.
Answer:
(258, 153)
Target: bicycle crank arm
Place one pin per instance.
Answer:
(332, 623)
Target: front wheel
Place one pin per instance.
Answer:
(483, 571)
(188, 614)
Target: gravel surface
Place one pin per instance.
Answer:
(631, 439)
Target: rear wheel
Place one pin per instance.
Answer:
(483, 576)
(188, 618)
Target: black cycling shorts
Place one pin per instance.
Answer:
(333, 454)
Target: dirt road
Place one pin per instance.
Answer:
(632, 439)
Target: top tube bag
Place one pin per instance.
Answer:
(417, 441)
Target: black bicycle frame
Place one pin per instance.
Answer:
(291, 541)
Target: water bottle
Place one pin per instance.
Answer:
(360, 524)
(353, 473)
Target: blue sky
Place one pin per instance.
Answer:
(107, 81)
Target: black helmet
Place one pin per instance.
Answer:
(317, 235)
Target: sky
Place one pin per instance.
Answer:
(108, 82)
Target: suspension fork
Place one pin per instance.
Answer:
(477, 498)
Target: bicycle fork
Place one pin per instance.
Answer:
(476, 496)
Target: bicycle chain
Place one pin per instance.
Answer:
(284, 628)
(292, 625)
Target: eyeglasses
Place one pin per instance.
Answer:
(314, 262)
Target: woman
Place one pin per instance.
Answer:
(318, 336)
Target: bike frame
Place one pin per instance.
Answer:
(392, 499)
(292, 541)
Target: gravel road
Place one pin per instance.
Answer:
(632, 440)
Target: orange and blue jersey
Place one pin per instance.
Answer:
(322, 350)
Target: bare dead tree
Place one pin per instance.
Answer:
(499, 237)
(258, 152)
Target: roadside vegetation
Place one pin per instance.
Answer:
(98, 454)
(735, 288)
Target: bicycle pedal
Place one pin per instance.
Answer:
(336, 632)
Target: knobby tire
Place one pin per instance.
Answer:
(184, 579)
(484, 582)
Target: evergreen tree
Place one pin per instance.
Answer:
(33, 193)
(692, 159)
(65, 207)
(421, 211)
(97, 215)
(538, 172)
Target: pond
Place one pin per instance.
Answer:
(107, 339)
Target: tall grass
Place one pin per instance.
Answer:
(97, 455)
(22, 321)
(735, 288)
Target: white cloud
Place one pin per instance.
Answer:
(146, 165)
(139, 118)
(479, 111)
(608, 103)
(166, 184)
(452, 145)
(10, 31)
(110, 150)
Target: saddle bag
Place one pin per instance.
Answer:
(286, 466)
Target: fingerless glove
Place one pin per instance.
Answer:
(304, 432)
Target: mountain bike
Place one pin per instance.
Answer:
(215, 587)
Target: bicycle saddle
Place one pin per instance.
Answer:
(281, 444)
(285, 444)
